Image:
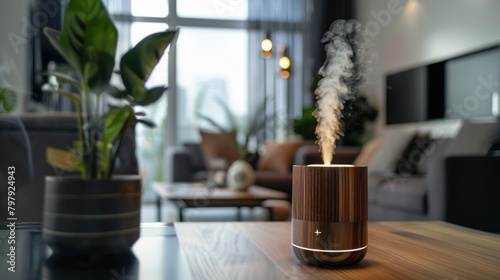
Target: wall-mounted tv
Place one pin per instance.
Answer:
(460, 87)
(406, 99)
(471, 83)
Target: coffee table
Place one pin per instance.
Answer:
(396, 250)
(261, 250)
(197, 195)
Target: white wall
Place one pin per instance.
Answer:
(14, 52)
(409, 33)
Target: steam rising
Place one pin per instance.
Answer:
(341, 73)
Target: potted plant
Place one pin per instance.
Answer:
(98, 213)
(356, 114)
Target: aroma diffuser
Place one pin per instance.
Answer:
(329, 214)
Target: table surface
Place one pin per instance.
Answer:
(200, 195)
(396, 250)
(261, 250)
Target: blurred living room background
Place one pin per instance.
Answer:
(436, 72)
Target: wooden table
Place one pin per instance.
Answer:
(193, 195)
(396, 250)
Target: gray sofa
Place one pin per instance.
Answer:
(458, 182)
(23, 141)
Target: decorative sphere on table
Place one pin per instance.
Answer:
(240, 175)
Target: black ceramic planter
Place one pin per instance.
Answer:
(91, 217)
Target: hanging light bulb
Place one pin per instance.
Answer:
(284, 63)
(267, 46)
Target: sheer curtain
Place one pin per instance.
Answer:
(287, 23)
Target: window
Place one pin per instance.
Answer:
(211, 59)
(149, 8)
(213, 9)
(211, 68)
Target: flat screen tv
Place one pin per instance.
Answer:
(472, 81)
(406, 98)
(467, 86)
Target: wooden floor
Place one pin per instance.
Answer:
(396, 250)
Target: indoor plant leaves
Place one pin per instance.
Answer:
(88, 41)
(137, 64)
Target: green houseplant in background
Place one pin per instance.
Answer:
(240, 174)
(105, 217)
(356, 114)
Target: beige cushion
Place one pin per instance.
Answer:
(279, 156)
(368, 152)
(392, 144)
(217, 146)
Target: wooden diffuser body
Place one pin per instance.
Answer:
(329, 214)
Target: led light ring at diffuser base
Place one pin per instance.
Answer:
(331, 251)
(330, 165)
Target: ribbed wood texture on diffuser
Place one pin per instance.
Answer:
(330, 194)
(329, 214)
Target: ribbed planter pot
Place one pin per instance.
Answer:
(91, 217)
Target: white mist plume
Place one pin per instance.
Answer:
(341, 73)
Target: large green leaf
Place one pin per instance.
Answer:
(54, 37)
(151, 96)
(62, 159)
(138, 63)
(8, 99)
(116, 121)
(88, 40)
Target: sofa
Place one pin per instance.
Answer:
(23, 142)
(452, 179)
(413, 174)
(186, 164)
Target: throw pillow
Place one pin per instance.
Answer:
(414, 153)
(392, 143)
(367, 152)
(436, 149)
(217, 146)
(279, 156)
